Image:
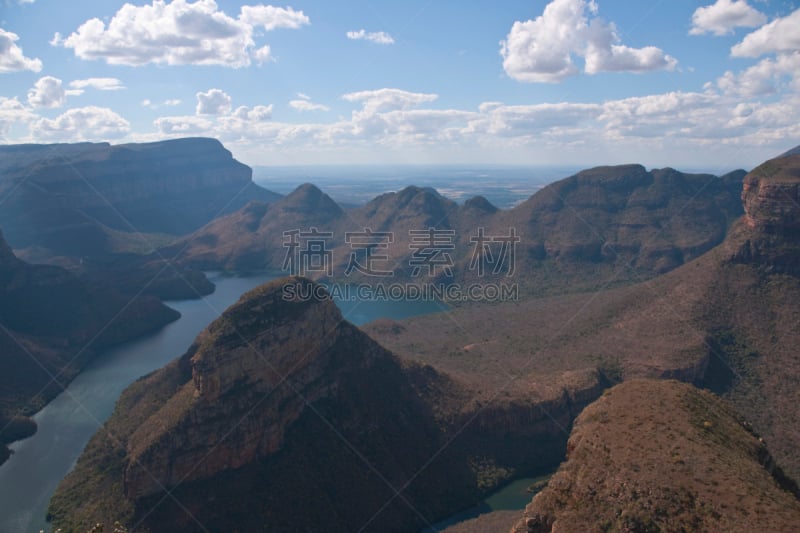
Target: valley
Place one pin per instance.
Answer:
(626, 275)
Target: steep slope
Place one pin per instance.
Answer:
(83, 200)
(663, 456)
(51, 324)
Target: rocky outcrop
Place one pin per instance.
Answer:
(769, 236)
(771, 195)
(249, 353)
(663, 456)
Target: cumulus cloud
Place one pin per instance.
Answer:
(263, 55)
(388, 99)
(303, 103)
(377, 37)
(722, 17)
(259, 113)
(183, 125)
(11, 57)
(542, 50)
(780, 35)
(100, 84)
(765, 77)
(179, 33)
(81, 124)
(12, 111)
(271, 17)
(47, 92)
(213, 102)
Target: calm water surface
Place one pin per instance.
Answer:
(31, 475)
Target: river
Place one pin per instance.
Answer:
(29, 478)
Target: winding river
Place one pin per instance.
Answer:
(29, 478)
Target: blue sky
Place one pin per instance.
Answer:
(690, 84)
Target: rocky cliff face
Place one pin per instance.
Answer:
(771, 229)
(771, 195)
(663, 456)
(248, 354)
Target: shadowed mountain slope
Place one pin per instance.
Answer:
(72, 199)
(51, 324)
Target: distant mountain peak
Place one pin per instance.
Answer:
(308, 198)
(480, 203)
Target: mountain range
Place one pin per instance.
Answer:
(283, 416)
(624, 220)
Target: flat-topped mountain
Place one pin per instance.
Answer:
(81, 200)
(663, 456)
(51, 325)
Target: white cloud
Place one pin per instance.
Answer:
(512, 121)
(263, 55)
(183, 125)
(153, 105)
(11, 57)
(47, 92)
(81, 124)
(101, 84)
(722, 17)
(271, 17)
(542, 50)
(765, 77)
(388, 99)
(12, 111)
(780, 35)
(303, 103)
(377, 37)
(258, 113)
(213, 102)
(179, 33)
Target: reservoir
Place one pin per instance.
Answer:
(29, 478)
